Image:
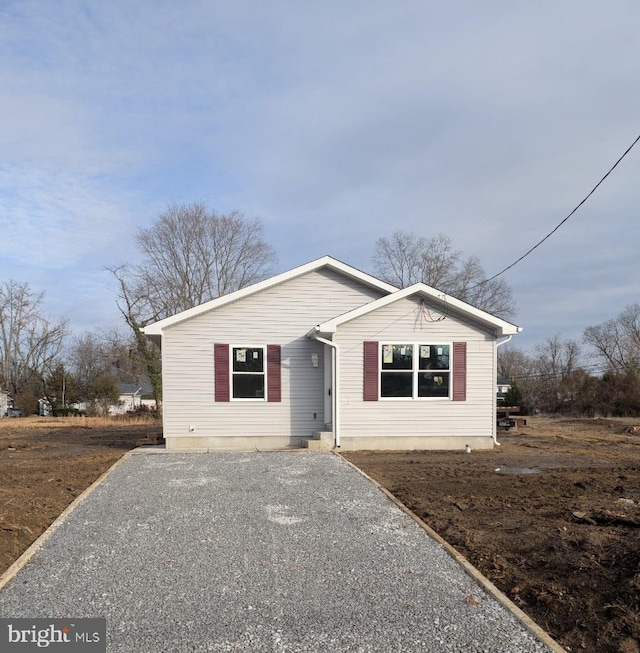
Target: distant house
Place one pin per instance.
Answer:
(503, 386)
(132, 397)
(148, 399)
(80, 406)
(327, 351)
(45, 409)
(129, 400)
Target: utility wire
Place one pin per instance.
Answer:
(593, 190)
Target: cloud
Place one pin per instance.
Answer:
(52, 219)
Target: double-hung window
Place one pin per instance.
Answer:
(415, 371)
(248, 373)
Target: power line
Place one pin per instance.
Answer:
(529, 376)
(593, 190)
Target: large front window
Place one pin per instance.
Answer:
(415, 371)
(248, 377)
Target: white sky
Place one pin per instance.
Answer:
(336, 123)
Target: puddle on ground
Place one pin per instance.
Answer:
(517, 470)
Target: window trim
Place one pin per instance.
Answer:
(232, 372)
(415, 370)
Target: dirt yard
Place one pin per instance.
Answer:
(552, 517)
(46, 462)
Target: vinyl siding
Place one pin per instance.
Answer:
(280, 315)
(403, 321)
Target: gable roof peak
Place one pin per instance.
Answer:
(156, 328)
(500, 326)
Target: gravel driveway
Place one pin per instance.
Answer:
(287, 551)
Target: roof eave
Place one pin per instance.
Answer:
(154, 336)
(321, 332)
(508, 331)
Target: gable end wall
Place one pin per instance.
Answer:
(403, 321)
(281, 315)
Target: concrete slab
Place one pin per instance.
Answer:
(285, 551)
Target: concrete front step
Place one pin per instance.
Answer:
(316, 445)
(321, 441)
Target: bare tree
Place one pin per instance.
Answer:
(549, 378)
(514, 364)
(119, 351)
(405, 259)
(60, 389)
(30, 343)
(553, 379)
(97, 362)
(131, 307)
(557, 359)
(86, 362)
(111, 352)
(189, 256)
(616, 342)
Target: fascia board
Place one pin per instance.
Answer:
(317, 331)
(157, 328)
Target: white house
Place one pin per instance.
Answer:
(503, 386)
(45, 409)
(327, 349)
(129, 399)
(5, 403)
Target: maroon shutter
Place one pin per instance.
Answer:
(459, 371)
(221, 365)
(371, 371)
(274, 376)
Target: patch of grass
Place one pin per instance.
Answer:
(34, 422)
